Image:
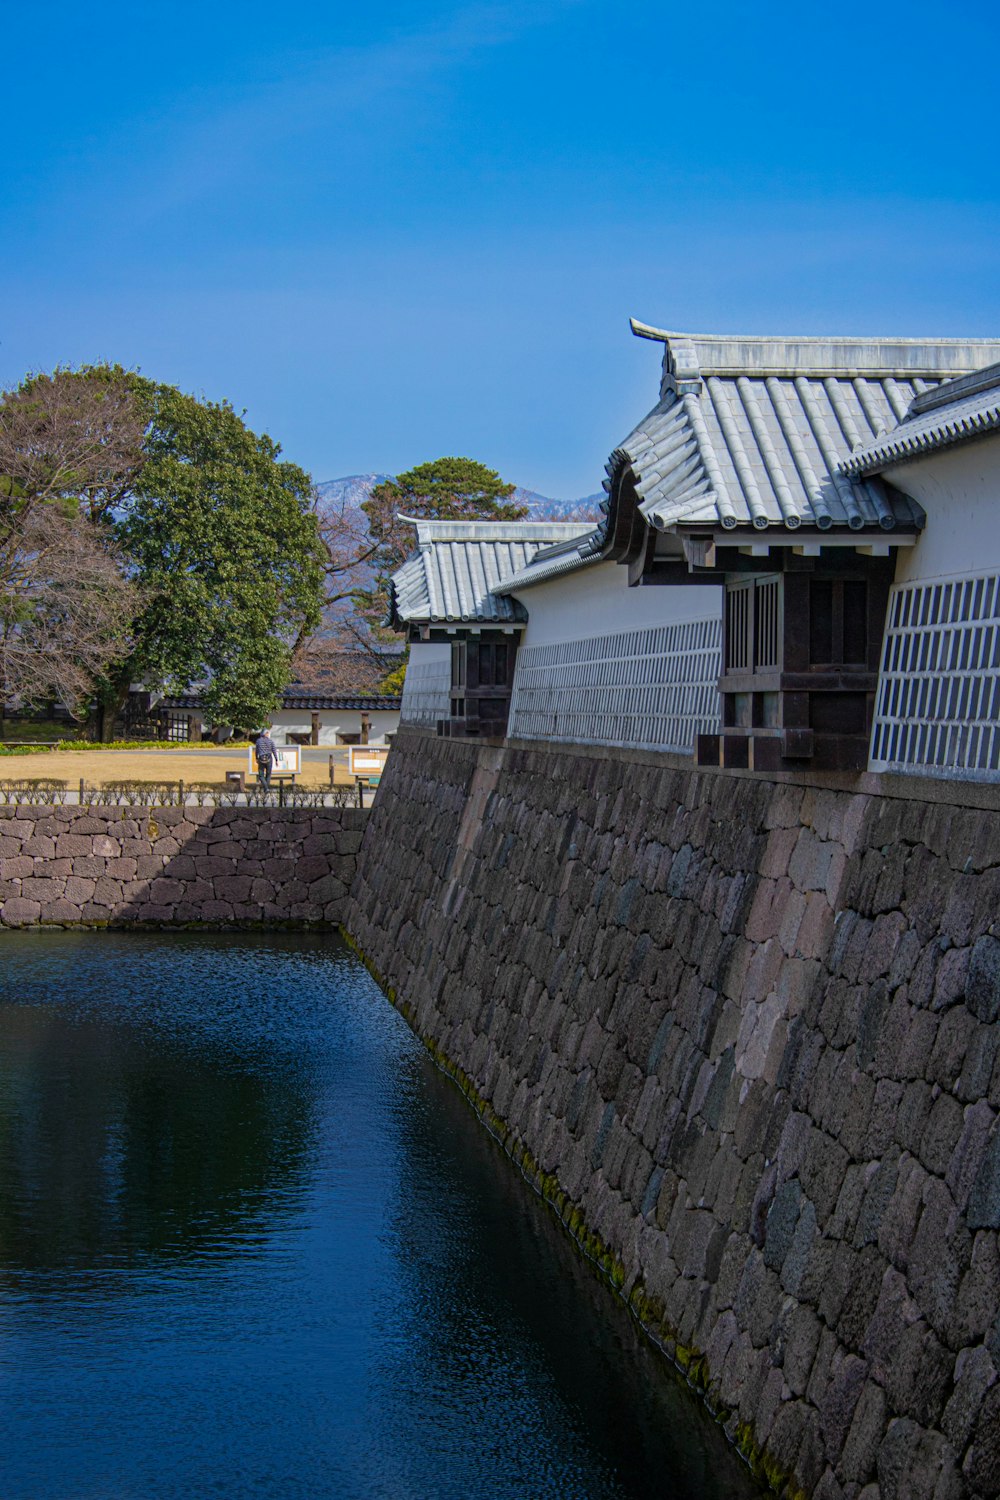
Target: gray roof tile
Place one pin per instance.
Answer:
(955, 412)
(459, 564)
(754, 432)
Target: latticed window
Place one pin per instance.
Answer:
(938, 703)
(767, 605)
(655, 687)
(753, 624)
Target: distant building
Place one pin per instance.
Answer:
(304, 718)
(464, 637)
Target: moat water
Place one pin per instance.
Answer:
(252, 1243)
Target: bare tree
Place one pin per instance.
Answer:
(65, 608)
(346, 654)
(72, 436)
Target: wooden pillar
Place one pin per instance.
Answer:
(365, 728)
(314, 730)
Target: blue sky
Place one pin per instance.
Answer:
(400, 231)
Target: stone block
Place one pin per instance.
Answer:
(79, 889)
(38, 888)
(60, 912)
(914, 1111)
(982, 1462)
(816, 927)
(981, 1070)
(14, 867)
(888, 893)
(858, 1457)
(810, 862)
(939, 1255)
(20, 912)
(164, 892)
(955, 1029)
(975, 1374)
(107, 892)
(915, 1464)
(216, 911)
(982, 988)
(39, 847)
(950, 979)
(941, 1134)
(839, 1401)
(977, 1122)
(777, 852)
(73, 844)
(880, 949)
(983, 1210)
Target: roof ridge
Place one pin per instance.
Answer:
(466, 527)
(690, 357)
(954, 390)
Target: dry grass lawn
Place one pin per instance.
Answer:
(100, 766)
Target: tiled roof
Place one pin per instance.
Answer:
(753, 431)
(551, 562)
(296, 697)
(955, 412)
(366, 702)
(459, 564)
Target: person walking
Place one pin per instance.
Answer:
(265, 752)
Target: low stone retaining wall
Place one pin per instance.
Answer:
(744, 1034)
(122, 866)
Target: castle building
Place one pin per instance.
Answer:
(464, 636)
(794, 570)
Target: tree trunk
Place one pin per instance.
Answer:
(110, 697)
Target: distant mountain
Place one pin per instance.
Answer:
(353, 489)
(586, 509)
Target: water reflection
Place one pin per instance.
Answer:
(560, 1379)
(108, 1154)
(118, 1145)
(252, 1244)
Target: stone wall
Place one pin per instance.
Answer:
(123, 866)
(744, 1034)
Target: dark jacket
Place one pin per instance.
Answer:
(264, 748)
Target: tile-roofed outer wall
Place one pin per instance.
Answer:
(957, 412)
(459, 564)
(753, 431)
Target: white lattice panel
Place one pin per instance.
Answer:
(652, 689)
(938, 706)
(426, 692)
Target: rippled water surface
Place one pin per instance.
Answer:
(253, 1244)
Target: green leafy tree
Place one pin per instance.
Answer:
(223, 539)
(448, 489)
(216, 533)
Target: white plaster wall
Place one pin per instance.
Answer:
(602, 663)
(333, 721)
(935, 707)
(959, 488)
(598, 601)
(427, 683)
